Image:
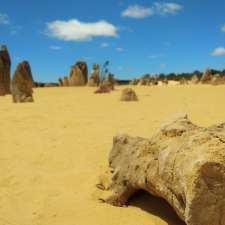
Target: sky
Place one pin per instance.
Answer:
(136, 36)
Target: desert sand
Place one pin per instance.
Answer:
(52, 151)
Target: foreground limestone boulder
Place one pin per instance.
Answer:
(22, 83)
(78, 74)
(94, 79)
(182, 163)
(128, 94)
(5, 64)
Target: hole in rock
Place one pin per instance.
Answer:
(155, 206)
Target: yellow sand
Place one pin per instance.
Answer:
(53, 151)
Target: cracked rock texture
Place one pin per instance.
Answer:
(22, 83)
(182, 163)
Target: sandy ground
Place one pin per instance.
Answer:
(53, 151)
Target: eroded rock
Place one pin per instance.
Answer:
(206, 77)
(78, 74)
(5, 65)
(94, 79)
(182, 163)
(22, 83)
(128, 94)
(103, 88)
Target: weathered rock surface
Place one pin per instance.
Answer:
(22, 83)
(207, 76)
(128, 94)
(78, 74)
(66, 82)
(108, 83)
(182, 163)
(103, 88)
(5, 65)
(94, 79)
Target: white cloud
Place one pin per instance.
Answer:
(223, 28)
(55, 47)
(158, 8)
(104, 45)
(74, 30)
(4, 19)
(220, 51)
(119, 49)
(137, 11)
(164, 8)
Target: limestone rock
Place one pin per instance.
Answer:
(78, 74)
(103, 88)
(22, 83)
(182, 163)
(109, 81)
(5, 65)
(207, 76)
(128, 94)
(94, 79)
(66, 82)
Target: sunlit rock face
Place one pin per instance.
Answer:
(182, 163)
(79, 74)
(22, 83)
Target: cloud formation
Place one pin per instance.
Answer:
(158, 8)
(166, 8)
(137, 12)
(4, 19)
(220, 51)
(75, 30)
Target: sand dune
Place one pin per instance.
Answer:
(53, 151)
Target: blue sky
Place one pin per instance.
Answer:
(137, 37)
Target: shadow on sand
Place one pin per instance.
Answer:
(155, 206)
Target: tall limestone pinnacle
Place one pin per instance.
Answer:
(5, 65)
